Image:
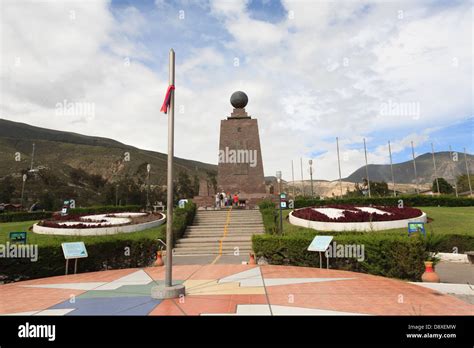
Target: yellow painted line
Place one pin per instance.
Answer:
(227, 221)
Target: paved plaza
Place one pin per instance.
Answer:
(228, 289)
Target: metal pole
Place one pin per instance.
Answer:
(293, 179)
(302, 180)
(311, 177)
(414, 167)
(23, 188)
(169, 213)
(116, 194)
(435, 170)
(32, 156)
(454, 173)
(467, 171)
(391, 169)
(148, 168)
(339, 164)
(367, 168)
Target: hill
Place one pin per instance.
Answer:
(404, 173)
(74, 160)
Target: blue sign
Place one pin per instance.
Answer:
(18, 237)
(414, 227)
(320, 243)
(74, 250)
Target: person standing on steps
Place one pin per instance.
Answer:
(236, 199)
(217, 200)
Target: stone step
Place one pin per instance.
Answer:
(220, 233)
(213, 226)
(225, 245)
(179, 252)
(225, 239)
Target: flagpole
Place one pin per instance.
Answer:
(339, 165)
(391, 169)
(169, 290)
(467, 171)
(414, 168)
(454, 172)
(367, 168)
(293, 178)
(435, 169)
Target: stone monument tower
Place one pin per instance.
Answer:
(240, 168)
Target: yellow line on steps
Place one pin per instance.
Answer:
(227, 221)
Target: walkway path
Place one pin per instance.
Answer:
(228, 290)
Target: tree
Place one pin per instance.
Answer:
(463, 184)
(444, 186)
(6, 190)
(184, 188)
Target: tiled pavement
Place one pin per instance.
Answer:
(229, 289)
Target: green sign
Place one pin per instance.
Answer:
(283, 195)
(18, 237)
(414, 227)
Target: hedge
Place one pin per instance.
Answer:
(40, 215)
(386, 255)
(104, 252)
(102, 255)
(25, 216)
(269, 216)
(418, 200)
(105, 209)
(182, 217)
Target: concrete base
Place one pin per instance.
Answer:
(163, 292)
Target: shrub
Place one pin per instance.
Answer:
(269, 216)
(415, 200)
(105, 209)
(102, 255)
(183, 217)
(25, 216)
(104, 252)
(386, 255)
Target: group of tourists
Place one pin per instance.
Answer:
(226, 199)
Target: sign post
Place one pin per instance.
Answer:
(321, 244)
(73, 250)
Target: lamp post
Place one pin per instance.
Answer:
(278, 175)
(148, 169)
(23, 188)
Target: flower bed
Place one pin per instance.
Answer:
(111, 223)
(355, 218)
(356, 214)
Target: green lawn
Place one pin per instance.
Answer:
(43, 239)
(446, 220)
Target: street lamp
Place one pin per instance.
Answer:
(23, 188)
(148, 169)
(278, 175)
(311, 176)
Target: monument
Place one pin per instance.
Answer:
(240, 164)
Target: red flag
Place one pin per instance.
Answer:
(166, 102)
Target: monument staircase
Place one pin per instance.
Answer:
(220, 232)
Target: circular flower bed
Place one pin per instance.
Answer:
(86, 224)
(353, 218)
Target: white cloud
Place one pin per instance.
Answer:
(325, 69)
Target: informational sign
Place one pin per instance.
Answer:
(320, 243)
(283, 204)
(18, 237)
(282, 195)
(74, 250)
(182, 203)
(414, 227)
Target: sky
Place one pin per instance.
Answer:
(397, 71)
